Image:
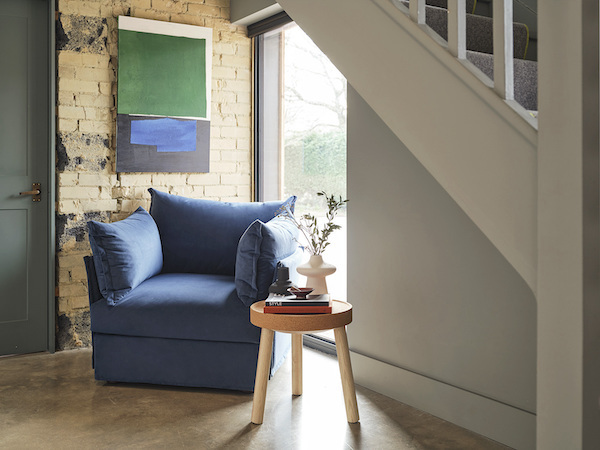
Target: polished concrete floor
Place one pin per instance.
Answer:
(53, 402)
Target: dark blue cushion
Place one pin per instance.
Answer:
(179, 306)
(201, 236)
(125, 254)
(260, 248)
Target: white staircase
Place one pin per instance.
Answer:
(479, 145)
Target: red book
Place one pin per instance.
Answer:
(297, 309)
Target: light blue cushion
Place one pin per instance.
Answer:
(125, 253)
(201, 236)
(260, 248)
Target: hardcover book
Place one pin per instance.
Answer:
(290, 300)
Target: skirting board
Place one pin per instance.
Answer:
(503, 423)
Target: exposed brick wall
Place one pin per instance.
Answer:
(88, 188)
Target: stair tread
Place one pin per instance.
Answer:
(525, 77)
(479, 31)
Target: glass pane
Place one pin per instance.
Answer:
(314, 140)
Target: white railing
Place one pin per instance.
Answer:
(457, 31)
(504, 80)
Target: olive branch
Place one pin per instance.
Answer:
(317, 238)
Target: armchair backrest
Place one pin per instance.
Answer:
(201, 236)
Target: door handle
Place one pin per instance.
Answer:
(36, 192)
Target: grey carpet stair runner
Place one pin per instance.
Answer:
(480, 36)
(470, 4)
(480, 48)
(525, 77)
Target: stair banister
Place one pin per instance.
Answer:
(504, 83)
(417, 11)
(457, 28)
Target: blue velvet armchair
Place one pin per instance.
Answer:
(170, 291)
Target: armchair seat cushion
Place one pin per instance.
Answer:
(179, 306)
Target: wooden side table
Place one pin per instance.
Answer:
(297, 325)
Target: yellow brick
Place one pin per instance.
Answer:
(95, 179)
(220, 191)
(235, 132)
(94, 74)
(69, 59)
(78, 192)
(66, 98)
(236, 179)
(79, 302)
(101, 114)
(223, 167)
(98, 101)
(67, 125)
(96, 61)
(69, 207)
(71, 112)
(204, 10)
(96, 127)
(73, 259)
(144, 179)
(174, 6)
(204, 179)
(242, 144)
(143, 4)
(224, 73)
(99, 205)
(222, 144)
(188, 19)
(66, 72)
(168, 179)
(65, 84)
(78, 7)
(151, 14)
(235, 61)
(224, 48)
(185, 191)
(67, 179)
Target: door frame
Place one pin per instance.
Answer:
(51, 188)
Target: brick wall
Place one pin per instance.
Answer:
(88, 186)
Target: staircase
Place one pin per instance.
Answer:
(480, 46)
(437, 96)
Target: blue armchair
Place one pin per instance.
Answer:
(170, 291)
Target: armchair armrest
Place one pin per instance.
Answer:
(93, 288)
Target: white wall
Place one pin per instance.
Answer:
(432, 295)
(476, 146)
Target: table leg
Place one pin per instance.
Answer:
(343, 354)
(297, 364)
(262, 375)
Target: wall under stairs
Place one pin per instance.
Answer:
(442, 223)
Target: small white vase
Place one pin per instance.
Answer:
(315, 270)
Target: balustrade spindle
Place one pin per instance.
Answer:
(457, 28)
(417, 11)
(504, 81)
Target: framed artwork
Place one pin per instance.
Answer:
(163, 96)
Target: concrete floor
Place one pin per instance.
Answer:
(53, 402)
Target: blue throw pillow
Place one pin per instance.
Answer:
(260, 248)
(201, 236)
(125, 253)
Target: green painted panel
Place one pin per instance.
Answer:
(13, 89)
(161, 75)
(13, 265)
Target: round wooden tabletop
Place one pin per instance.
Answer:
(340, 316)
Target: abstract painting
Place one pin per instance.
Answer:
(163, 96)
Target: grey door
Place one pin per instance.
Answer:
(23, 161)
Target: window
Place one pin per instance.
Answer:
(300, 138)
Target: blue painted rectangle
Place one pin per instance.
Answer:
(168, 135)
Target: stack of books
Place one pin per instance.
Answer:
(289, 304)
